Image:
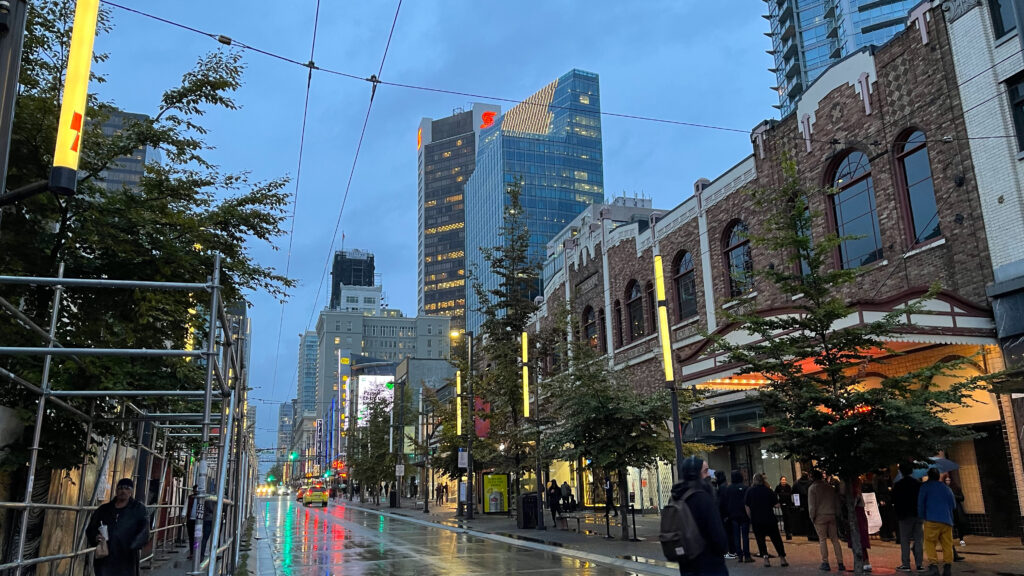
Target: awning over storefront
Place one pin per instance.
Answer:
(943, 319)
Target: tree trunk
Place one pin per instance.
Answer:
(856, 546)
(623, 502)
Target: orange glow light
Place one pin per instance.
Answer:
(488, 119)
(419, 138)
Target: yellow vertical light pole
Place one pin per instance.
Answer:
(666, 354)
(526, 375)
(64, 174)
(458, 402)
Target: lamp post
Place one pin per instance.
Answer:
(526, 414)
(666, 355)
(472, 423)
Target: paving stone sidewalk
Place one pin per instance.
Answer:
(985, 556)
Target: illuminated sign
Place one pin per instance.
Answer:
(64, 175)
(370, 387)
(488, 118)
(419, 138)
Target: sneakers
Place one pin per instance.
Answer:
(841, 568)
(730, 556)
(867, 567)
(784, 562)
(825, 567)
(903, 568)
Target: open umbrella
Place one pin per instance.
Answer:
(944, 464)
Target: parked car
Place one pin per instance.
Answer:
(315, 495)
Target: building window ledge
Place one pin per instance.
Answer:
(1020, 155)
(739, 299)
(1005, 38)
(686, 322)
(636, 342)
(924, 247)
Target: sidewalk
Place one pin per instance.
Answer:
(985, 556)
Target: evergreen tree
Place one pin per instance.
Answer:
(815, 401)
(506, 308)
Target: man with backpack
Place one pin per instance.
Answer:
(691, 528)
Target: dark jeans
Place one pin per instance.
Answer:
(911, 529)
(787, 512)
(741, 537)
(771, 530)
(207, 532)
(190, 527)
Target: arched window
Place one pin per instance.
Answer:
(617, 328)
(602, 335)
(652, 307)
(855, 213)
(737, 259)
(916, 172)
(635, 309)
(590, 327)
(686, 286)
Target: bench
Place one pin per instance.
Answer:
(568, 517)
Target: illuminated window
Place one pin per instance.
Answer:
(635, 308)
(590, 327)
(458, 142)
(447, 154)
(445, 228)
(584, 99)
(337, 340)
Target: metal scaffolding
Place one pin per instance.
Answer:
(225, 382)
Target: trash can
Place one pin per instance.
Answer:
(393, 499)
(526, 511)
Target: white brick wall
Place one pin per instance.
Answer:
(987, 113)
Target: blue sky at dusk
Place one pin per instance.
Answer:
(699, 62)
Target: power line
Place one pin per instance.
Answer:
(355, 159)
(295, 196)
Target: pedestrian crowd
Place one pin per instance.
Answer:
(921, 514)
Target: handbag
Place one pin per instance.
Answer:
(102, 550)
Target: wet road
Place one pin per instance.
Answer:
(294, 540)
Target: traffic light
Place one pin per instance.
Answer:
(293, 455)
(327, 474)
(270, 477)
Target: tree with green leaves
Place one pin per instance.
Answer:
(815, 400)
(167, 228)
(597, 415)
(507, 308)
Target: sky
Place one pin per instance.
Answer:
(679, 60)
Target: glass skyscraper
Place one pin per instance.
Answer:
(552, 143)
(810, 35)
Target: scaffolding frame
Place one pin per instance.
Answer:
(225, 381)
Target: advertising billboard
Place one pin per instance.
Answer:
(370, 386)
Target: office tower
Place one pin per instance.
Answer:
(446, 150)
(808, 36)
(306, 370)
(350, 268)
(285, 418)
(126, 171)
(551, 142)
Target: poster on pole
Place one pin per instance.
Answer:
(463, 459)
(399, 470)
(871, 511)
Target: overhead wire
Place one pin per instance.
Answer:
(295, 195)
(352, 170)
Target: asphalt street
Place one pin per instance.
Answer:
(294, 540)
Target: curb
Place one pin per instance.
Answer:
(636, 567)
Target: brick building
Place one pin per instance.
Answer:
(884, 127)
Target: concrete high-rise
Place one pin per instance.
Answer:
(285, 422)
(350, 268)
(551, 142)
(808, 36)
(126, 171)
(306, 370)
(446, 150)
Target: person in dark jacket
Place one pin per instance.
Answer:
(554, 500)
(710, 562)
(127, 525)
(904, 504)
(784, 492)
(959, 516)
(802, 511)
(760, 504)
(735, 508)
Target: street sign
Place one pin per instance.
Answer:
(463, 459)
(399, 470)
(319, 429)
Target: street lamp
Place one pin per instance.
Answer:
(526, 414)
(666, 355)
(455, 335)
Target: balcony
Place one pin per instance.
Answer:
(795, 89)
(789, 49)
(788, 30)
(830, 9)
(786, 15)
(792, 68)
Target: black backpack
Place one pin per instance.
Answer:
(680, 536)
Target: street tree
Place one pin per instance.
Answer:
(815, 401)
(166, 228)
(597, 415)
(372, 461)
(506, 308)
